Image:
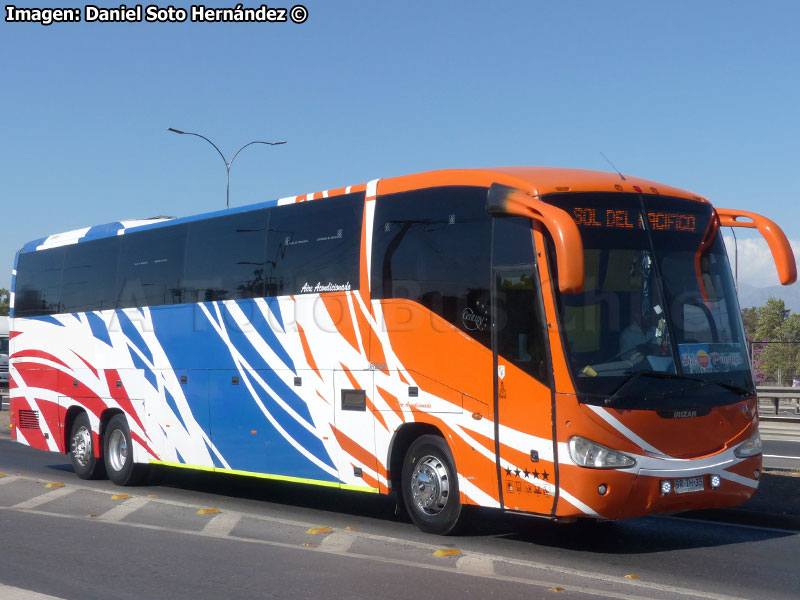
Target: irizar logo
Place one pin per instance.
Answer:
(684, 414)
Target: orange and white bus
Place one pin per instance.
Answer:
(556, 342)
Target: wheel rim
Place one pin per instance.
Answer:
(430, 485)
(81, 445)
(117, 450)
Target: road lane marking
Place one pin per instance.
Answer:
(8, 592)
(8, 479)
(778, 456)
(318, 530)
(44, 498)
(121, 511)
(222, 524)
(337, 542)
(476, 564)
(447, 552)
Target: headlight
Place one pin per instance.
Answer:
(586, 453)
(750, 448)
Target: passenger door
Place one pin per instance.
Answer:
(522, 389)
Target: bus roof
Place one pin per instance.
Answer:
(533, 180)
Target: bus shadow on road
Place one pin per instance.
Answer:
(645, 535)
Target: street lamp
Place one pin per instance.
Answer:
(227, 163)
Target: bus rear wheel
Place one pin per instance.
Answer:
(430, 486)
(118, 453)
(81, 450)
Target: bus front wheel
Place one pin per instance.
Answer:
(81, 450)
(118, 453)
(430, 486)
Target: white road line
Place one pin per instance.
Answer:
(478, 564)
(337, 542)
(13, 593)
(123, 510)
(222, 524)
(778, 456)
(44, 498)
(8, 479)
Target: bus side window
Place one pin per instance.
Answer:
(519, 318)
(90, 270)
(38, 283)
(433, 246)
(314, 246)
(151, 266)
(225, 258)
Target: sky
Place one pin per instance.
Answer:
(697, 94)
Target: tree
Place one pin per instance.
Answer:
(750, 318)
(778, 334)
(5, 296)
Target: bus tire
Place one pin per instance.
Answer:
(430, 486)
(118, 453)
(81, 450)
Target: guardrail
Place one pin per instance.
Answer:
(785, 400)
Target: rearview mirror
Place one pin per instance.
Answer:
(505, 200)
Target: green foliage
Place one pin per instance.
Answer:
(750, 318)
(780, 357)
(4, 300)
(770, 318)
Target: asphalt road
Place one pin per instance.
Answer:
(780, 454)
(78, 541)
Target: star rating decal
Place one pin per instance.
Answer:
(544, 475)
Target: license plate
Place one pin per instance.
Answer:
(690, 484)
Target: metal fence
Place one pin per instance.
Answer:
(778, 401)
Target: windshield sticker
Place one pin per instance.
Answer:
(711, 358)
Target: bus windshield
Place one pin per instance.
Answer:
(658, 303)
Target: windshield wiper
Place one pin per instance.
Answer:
(701, 383)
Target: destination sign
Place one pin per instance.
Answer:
(613, 218)
(664, 221)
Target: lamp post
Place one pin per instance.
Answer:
(227, 163)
